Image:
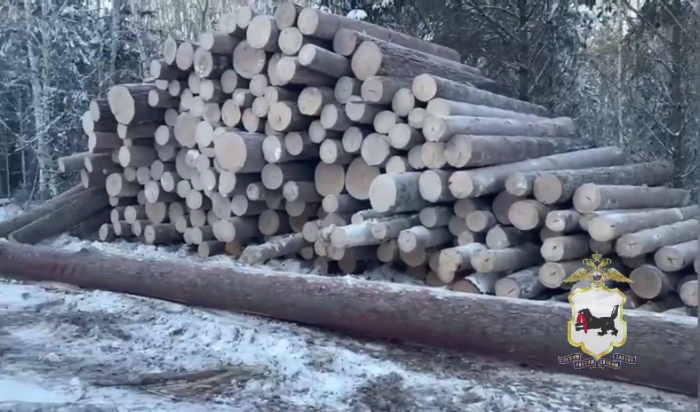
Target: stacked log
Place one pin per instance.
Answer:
(351, 145)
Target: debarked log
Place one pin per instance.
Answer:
(407, 313)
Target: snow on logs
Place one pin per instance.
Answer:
(345, 143)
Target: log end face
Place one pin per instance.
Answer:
(372, 90)
(260, 30)
(272, 149)
(307, 22)
(169, 50)
(523, 215)
(434, 128)
(424, 87)
(430, 186)
(344, 42)
(548, 189)
(366, 61)
(184, 57)
(647, 281)
(272, 176)
(94, 110)
(290, 42)
(586, 198)
(689, 292)
(286, 68)
(506, 287)
(286, 15)
(243, 17)
(382, 193)
(121, 103)
(461, 185)
(231, 151)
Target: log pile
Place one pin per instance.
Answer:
(350, 145)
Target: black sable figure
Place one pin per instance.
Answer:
(586, 321)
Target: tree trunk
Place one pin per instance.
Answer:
(557, 249)
(611, 226)
(63, 218)
(397, 193)
(240, 152)
(487, 180)
(675, 257)
(322, 25)
(324, 61)
(563, 221)
(528, 214)
(688, 290)
(273, 248)
(651, 282)
(456, 259)
(507, 260)
(523, 284)
(325, 302)
(129, 104)
(428, 86)
(87, 228)
(290, 70)
(444, 107)
(651, 240)
(381, 89)
(590, 197)
(441, 129)
(559, 186)
(504, 237)
(375, 57)
(470, 150)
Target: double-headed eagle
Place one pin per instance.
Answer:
(597, 272)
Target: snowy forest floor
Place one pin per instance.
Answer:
(77, 350)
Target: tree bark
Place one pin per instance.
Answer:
(441, 129)
(324, 61)
(470, 150)
(323, 302)
(290, 70)
(240, 152)
(651, 240)
(62, 218)
(322, 25)
(429, 86)
(487, 180)
(456, 259)
(559, 186)
(590, 197)
(613, 225)
(381, 89)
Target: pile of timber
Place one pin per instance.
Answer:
(351, 145)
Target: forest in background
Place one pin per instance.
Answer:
(627, 71)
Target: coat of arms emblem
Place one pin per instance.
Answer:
(597, 325)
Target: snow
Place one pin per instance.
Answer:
(71, 347)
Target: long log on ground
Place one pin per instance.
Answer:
(591, 197)
(58, 221)
(559, 186)
(487, 180)
(322, 25)
(405, 313)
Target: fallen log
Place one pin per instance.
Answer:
(63, 218)
(406, 313)
(28, 217)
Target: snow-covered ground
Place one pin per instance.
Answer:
(76, 350)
